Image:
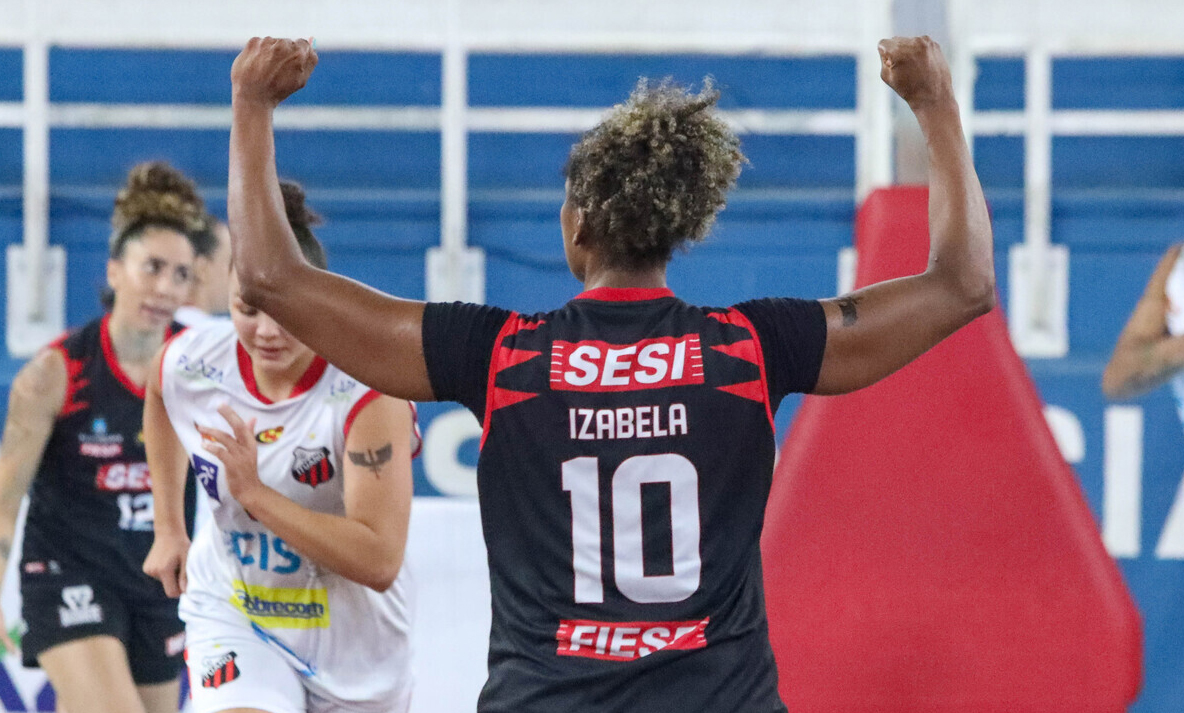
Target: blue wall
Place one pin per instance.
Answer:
(1116, 205)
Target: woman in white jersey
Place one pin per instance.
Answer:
(295, 600)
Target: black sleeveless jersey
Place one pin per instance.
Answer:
(90, 503)
(627, 455)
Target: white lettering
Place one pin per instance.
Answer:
(658, 430)
(655, 640)
(578, 361)
(587, 424)
(656, 367)
(624, 423)
(624, 639)
(678, 420)
(680, 359)
(604, 424)
(585, 430)
(602, 639)
(577, 636)
(613, 365)
(643, 422)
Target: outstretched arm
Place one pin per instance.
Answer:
(372, 336)
(874, 331)
(1145, 355)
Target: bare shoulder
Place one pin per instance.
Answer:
(41, 382)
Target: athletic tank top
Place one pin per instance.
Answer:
(90, 503)
(626, 459)
(322, 619)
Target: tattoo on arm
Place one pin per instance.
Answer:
(847, 306)
(5, 547)
(374, 460)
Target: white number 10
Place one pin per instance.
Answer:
(581, 478)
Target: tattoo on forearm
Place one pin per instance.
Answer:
(847, 305)
(5, 547)
(374, 460)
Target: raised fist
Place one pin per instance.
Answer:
(269, 69)
(916, 70)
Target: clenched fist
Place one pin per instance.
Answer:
(916, 70)
(268, 70)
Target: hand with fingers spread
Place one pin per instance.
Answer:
(238, 452)
(166, 562)
(269, 70)
(916, 69)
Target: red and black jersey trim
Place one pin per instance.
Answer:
(113, 361)
(75, 381)
(625, 294)
(750, 351)
(504, 357)
(309, 379)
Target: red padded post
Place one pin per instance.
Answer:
(926, 548)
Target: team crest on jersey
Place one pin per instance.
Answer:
(311, 466)
(271, 435)
(220, 670)
(99, 443)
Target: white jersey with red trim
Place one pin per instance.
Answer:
(335, 632)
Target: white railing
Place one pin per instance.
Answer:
(1040, 31)
(1037, 30)
(455, 29)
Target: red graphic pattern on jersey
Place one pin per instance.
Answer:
(503, 358)
(74, 381)
(628, 640)
(750, 351)
(658, 363)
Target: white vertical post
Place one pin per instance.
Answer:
(1038, 300)
(36, 163)
(963, 65)
(873, 142)
(454, 271)
(454, 150)
(35, 305)
(1037, 158)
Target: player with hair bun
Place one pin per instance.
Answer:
(294, 598)
(104, 632)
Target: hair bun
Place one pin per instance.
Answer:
(300, 216)
(157, 192)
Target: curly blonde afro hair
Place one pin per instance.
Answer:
(653, 174)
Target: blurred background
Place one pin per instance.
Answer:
(432, 138)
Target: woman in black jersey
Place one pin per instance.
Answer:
(628, 445)
(104, 632)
